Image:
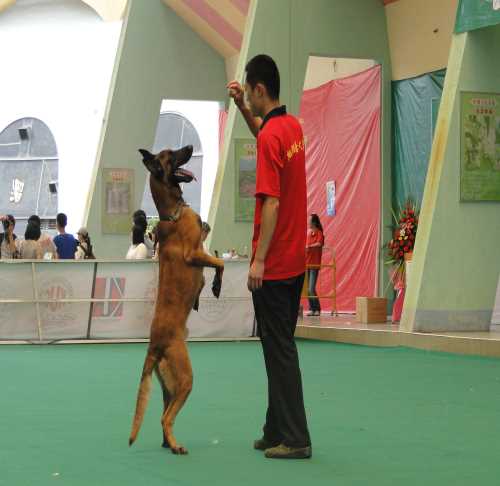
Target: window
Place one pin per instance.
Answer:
(173, 132)
(28, 163)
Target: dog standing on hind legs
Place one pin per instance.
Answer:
(182, 259)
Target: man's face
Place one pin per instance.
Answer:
(254, 98)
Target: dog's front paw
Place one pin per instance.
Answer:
(217, 286)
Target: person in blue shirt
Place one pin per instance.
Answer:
(65, 243)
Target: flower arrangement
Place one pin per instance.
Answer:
(404, 233)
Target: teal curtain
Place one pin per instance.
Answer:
(475, 14)
(414, 109)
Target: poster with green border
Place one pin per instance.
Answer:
(245, 156)
(117, 200)
(480, 147)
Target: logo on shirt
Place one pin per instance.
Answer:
(16, 192)
(295, 148)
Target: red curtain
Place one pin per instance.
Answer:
(341, 122)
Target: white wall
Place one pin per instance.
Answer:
(321, 70)
(204, 115)
(57, 61)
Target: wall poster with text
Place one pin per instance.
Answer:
(118, 200)
(480, 147)
(245, 151)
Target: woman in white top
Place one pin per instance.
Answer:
(29, 248)
(137, 250)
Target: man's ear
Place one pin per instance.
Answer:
(260, 90)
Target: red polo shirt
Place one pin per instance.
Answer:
(314, 254)
(281, 173)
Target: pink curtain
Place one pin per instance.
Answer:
(341, 122)
(222, 126)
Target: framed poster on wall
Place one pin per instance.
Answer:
(245, 156)
(117, 200)
(480, 147)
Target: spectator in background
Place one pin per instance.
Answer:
(65, 243)
(205, 231)
(9, 244)
(314, 251)
(84, 249)
(156, 242)
(29, 248)
(140, 219)
(137, 250)
(49, 251)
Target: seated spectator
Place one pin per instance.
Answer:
(9, 244)
(156, 242)
(84, 249)
(140, 219)
(29, 248)
(137, 250)
(65, 243)
(205, 231)
(47, 246)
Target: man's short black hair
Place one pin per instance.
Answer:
(32, 231)
(262, 69)
(62, 220)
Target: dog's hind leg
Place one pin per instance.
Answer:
(161, 374)
(177, 370)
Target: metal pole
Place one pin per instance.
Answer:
(92, 295)
(37, 304)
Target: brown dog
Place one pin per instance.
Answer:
(182, 260)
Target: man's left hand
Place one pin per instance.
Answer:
(256, 275)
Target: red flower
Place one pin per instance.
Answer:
(401, 243)
(401, 253)
(407, 248)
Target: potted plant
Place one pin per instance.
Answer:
(400, 250)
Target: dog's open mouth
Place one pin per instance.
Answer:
(184, 175)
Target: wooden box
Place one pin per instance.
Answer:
(371, 310)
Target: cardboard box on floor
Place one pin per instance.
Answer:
(371, 310)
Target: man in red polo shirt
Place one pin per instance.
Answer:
(278, 265)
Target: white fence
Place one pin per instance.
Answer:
(45, 301)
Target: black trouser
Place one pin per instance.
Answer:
(276, 307)
(312, 276)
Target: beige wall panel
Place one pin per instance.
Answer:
(419, 35)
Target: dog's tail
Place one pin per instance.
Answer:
(143, 395)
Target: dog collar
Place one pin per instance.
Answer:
(173, 218)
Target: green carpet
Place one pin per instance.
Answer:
(377, 417)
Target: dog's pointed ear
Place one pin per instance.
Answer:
(147, 156)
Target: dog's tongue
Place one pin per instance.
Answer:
(184, 172)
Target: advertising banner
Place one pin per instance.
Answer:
(480, 147)
(117, 200)
(245, 151)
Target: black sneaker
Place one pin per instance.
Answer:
(263, 444)
(284, 452)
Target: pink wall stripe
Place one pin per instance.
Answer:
(218, 23)
(241, 5)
